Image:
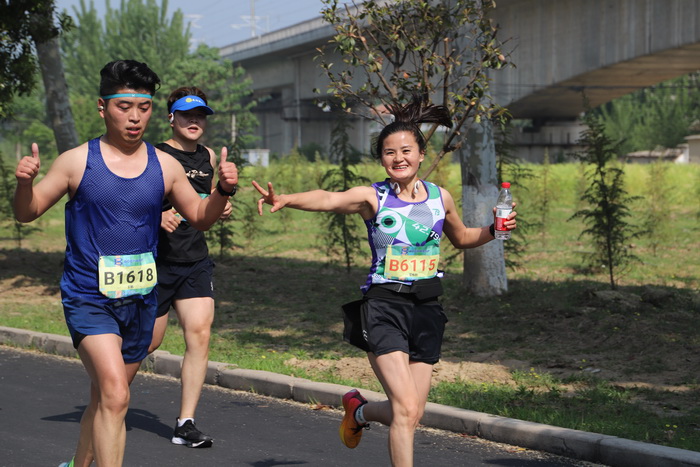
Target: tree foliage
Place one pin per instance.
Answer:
(391, 50)
(608, 203)
(22, 24)
(656, 117)
(30, 123)
(143, 30)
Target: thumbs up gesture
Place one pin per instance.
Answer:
(228, 172)
(28, 167)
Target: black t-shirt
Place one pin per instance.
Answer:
(187, 244)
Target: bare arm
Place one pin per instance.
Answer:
(358, 200)
(462, 236)
(200, 213)
(228, 209)
(212, 161)
(31, 201)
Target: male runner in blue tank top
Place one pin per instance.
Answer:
(185, 270)
(402, 322)
(116, 184)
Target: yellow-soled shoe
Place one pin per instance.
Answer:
(351, 431)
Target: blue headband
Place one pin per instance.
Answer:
(113, 96)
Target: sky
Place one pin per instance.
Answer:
(222, 22)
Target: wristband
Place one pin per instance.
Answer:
(223, 192)
(492, 231)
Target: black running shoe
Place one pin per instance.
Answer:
(190, 436)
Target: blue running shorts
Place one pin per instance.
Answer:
(130, 318)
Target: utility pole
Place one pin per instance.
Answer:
(252, 18)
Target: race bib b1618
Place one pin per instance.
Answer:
(125, 275)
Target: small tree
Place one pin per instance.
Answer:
(8, 183)
(342, 237)
(442, 50)
(406, 46)
(608, 201)
(542, 197)
(291, 174)
(511, 170)
(657, 224)
(221, 234)
(697, 197)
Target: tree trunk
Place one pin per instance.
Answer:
(57, 102)
(484, 267)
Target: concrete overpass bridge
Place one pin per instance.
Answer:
(562, 50)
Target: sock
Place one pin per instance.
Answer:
(182, 422)
(360, 415)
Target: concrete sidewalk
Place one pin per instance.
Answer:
(591, 447)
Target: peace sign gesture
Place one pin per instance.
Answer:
(268, 197)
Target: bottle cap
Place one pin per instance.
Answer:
(505, 185)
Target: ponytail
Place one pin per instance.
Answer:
(409, 117)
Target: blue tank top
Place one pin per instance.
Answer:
(110, 215)
(404, 237)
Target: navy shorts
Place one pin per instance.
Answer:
(394, 321)
(130, 318)
(183, 280)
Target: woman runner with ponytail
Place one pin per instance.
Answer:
(399, 321)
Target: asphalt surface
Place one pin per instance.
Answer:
(42, 397)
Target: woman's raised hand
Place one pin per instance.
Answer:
(269, 197)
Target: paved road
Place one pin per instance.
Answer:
(43, 396)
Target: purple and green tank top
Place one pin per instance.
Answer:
(404, 237)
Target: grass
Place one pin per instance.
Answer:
(625, 366)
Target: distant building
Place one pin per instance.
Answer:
(693, 149)
(687, 153)
(558, 138)
(258, 156)
(677, 155)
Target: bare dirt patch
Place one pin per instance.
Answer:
(638, 337)
(358, 368)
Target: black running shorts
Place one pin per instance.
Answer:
(395, 321)
(183, 280)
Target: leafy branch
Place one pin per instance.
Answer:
(391, 50)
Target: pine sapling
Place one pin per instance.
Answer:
(608, 203)
(342, 236)
(657, 223)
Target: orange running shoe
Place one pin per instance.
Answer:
(351, 431)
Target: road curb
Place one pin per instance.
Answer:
(591, 447)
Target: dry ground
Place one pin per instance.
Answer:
(635, 337)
